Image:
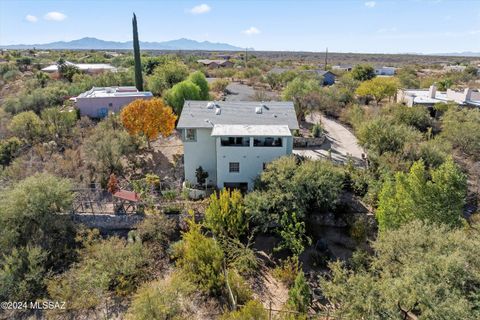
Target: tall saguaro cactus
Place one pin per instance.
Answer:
(136, 56)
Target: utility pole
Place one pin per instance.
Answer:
(246, 60)
(326, 59)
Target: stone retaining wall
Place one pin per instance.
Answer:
(308, 142)
(108, 222)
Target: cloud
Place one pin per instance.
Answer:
(251, 31)
(55, 16)
(31, 18)
(200, 9)
(370, 4)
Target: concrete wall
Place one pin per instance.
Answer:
(92, 106)
(200, 153)
(251, 161)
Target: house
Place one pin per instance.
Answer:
(327, 76)
(454, 68)
(385, 71)
(98, 102)
(91, 68)
(234, 140)
(342, 68)
(213, 64)
(430, 97)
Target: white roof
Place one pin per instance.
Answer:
(102, 92)
(220, 130)
(82, 66)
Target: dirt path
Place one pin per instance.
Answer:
(340, 141)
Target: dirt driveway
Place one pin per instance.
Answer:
(339, 140)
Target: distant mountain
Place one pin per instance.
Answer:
(97, 44)
(458, 54)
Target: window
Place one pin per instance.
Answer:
(267, 142)
(234, 166)
(264, 165)
(235, 142)
(190, 134)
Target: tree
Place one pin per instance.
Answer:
(378, 88)
(58, 123)
(136, 56)
(200, 258)
(67, 70)
(42, 78)
(292, 231)
(27, 125)
(201, 176)
(179, 93)
(148, 118)
(112, 185)
(408, 78)
(363, 72)
(8, 149)
(461, 126)
(166, 75)
(297, 90)
(299, 296)
(420, 267)
(252, 310)
(225, 214)
(414, 196)
(199, 79)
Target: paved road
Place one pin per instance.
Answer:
(339, 140)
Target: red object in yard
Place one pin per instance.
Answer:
(127, 195)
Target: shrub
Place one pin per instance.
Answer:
(287, 271)
(219, 85)
(299, 296)
(317, 130)
(253, 310)
(225, 214)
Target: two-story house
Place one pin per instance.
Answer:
(233, 140)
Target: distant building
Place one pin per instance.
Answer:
(430, 97)
(454, 68)
(342, 68)
(385, 71)
(233, 141)
(327, 76)
(98, 102)
(91, 68)
(213, 64)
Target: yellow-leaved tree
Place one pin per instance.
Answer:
(148, 118)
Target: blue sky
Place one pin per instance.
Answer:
(380, 26)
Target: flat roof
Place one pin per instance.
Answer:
(82, 66)
(221, 130)
(422, 96)
(103, 92)
(206, 114)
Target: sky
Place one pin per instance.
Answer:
(380, 26)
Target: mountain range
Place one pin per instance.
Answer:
(98, 44)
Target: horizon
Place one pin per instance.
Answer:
(417, 27)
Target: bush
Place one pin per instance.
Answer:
(299, 296)
(219, 85)
(287, 271)
(253, 310)
(201, 259)
(317, 130)
(179, 93)
(225, 214)
(162, 299)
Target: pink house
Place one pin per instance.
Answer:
(98, 102)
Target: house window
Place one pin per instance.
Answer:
(235, 142)
(190, 135)
(234, 166)
(267, 142)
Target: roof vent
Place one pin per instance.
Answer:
(265, 106)
(218, 111)
(210, 105)
(258, 110)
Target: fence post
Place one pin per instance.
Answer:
(270, 310)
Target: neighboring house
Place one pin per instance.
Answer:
(454, 68)
(343, 68)
(91, 68)
(216, 63)
(98, 102)
(385, 71)
(327, 76)
(430, 97)
(234, 140)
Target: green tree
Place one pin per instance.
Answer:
(136, 55)
(439, 199)
(67, 70)
(297, 90)
(58, 123)
(292, 232)
(420, 267)
(225, 214)
(408, 78)
(378, 88)
(166, 75)
(179, 93)
(253, 310)
(201, 259)
(363, 72)
(27, 125)
(8, 149)
(42, 78)
(300, 296)
(461, 126)
(199, 79)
